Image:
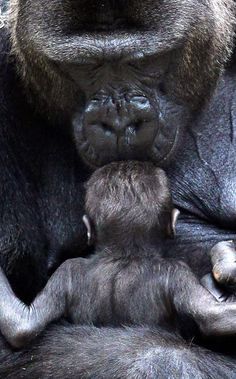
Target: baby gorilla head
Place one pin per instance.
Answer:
(129, 203)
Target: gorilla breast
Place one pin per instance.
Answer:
(122, 76)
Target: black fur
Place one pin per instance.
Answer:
(129, 353)
(45, 115)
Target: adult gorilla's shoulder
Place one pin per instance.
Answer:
(86, 83)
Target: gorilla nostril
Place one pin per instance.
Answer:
(140, 133)
(105, 127)
(137, 125)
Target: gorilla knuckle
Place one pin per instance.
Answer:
(225, 275)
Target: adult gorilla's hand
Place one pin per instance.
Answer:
(221, 283)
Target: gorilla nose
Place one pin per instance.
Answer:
(132, 120)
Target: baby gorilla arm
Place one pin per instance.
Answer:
(173, 281)
(20, 323)
(188, 297)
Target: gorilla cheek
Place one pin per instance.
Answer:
(103, 148)
(173, 120)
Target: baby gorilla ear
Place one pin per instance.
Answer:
(90, 231)
(173, 220)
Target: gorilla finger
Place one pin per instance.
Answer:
(209, 283)
(223, 259)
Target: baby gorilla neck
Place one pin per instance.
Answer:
(132, 247)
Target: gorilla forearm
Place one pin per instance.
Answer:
(20, 323)
(22, 246)
(30, 189)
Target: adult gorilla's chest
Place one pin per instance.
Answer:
(203, 176)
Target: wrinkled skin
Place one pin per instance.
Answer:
(91, 82)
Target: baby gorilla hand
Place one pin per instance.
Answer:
(219, 319)
(215, 316)
(192, 301)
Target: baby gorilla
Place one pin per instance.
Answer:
(127, 282)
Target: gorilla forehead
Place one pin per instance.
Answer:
(108, 28)
(105, 12)
(83, 31)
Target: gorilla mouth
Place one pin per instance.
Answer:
(160, 150)
(95, 159)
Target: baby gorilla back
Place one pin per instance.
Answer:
(119, 292)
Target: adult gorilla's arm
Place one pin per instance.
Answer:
(34, 160)
(129, 353)
(22, 248)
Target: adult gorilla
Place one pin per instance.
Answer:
(85, 82)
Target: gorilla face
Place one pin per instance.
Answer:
(126, 114)
(125, 75)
